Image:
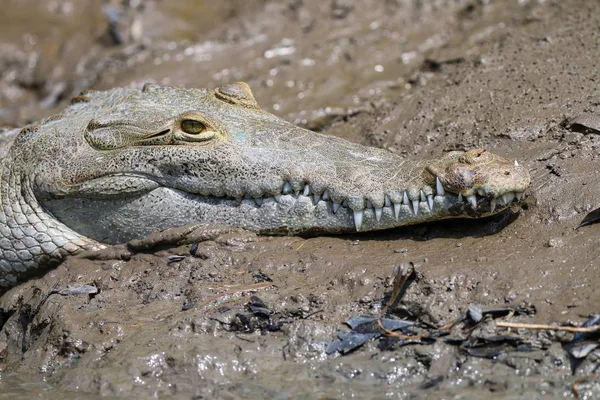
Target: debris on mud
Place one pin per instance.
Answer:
(584, 123)
(590, 218)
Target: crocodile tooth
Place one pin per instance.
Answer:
(278, 198)
(306, 191)
(386, 201)
(316, 198)
(287, 188)
(492, 205)
(460, 198)
(326, 194)
(358, 217)
(378, 211)
(415, 204)
(296, 193)
(258, 200)
(423, 198)
(335, 206)
(519, 196)
(508, 197)
(516, 163)
(439, 188)
(397, 210)
(430, 201)
(405, 199)
(473, 200)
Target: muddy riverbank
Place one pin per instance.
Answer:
(416, 77)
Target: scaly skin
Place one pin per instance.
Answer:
(121, 164)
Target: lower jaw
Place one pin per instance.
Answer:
(119, 220)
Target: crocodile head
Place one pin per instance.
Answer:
(480, 175)
(123, 163)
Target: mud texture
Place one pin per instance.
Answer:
(417, 77)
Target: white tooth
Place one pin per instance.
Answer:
(405, 199)
(492, 205)
(430, 201)
(296, 193)
(516, 163)
(278, 198)
(460, 198)
(386, 201)
(423, 198)
(473, 200)
(439, 188)
(397, 210)
(416, 207)
(335, 206)
(306, 191)
(358, 216)
(326, 195)
(287, 188)
(519, 196)
(259, 201)
(378, 212)
(316, 198)
(508, 197)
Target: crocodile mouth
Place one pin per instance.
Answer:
(398, 208)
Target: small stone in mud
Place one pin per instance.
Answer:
(401, 251)
(554, 243)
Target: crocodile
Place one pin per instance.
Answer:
(117, 165)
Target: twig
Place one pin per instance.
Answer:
(574, 329)
(403, 274)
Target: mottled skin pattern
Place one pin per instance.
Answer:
(121, 164)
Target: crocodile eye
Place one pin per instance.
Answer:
(192, 126)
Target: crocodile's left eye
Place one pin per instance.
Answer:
(192, 126)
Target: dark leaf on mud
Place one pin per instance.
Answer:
(584, 343)
(193, 249)
(581, 349)
(259, 311)
(258, 307)
(275, 326)
(503, 311)
(174, 259)
(82, 289)
(243, 322)
(591, 218)
(348, 341)
(261, 277)
(257, 302)
(593, 320)
(585, 123)
(364, 324)
(492, 346)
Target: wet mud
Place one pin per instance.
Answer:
(236, 315)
